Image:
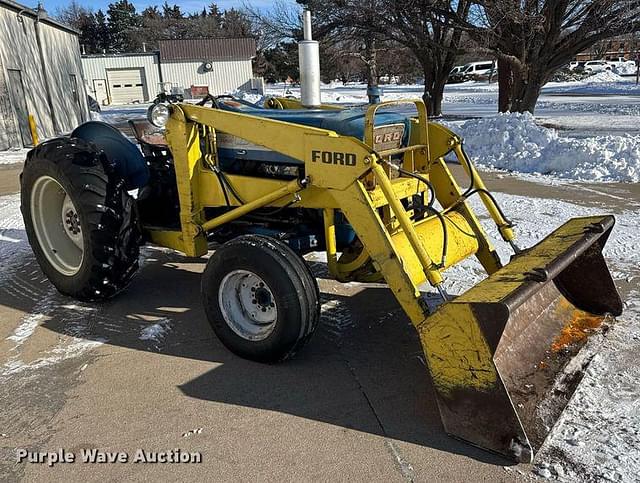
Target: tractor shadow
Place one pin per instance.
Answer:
(363, 369)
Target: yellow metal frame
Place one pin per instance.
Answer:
(404, 252)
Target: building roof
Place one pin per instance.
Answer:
(29, 12)
(120, 54)
(207, 49)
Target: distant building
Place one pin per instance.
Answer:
(189, 67)
(122, 78)
(626, 46)
(40, 75)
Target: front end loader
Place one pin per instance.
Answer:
(370, 187)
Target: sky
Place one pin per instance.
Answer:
(186, 5)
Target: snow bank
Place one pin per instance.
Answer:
(628, 68)
(602, 83)
(516, 143)
(604, 76)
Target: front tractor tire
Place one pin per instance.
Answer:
(79, 219)
(260, 298)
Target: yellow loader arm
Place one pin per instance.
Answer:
(493, 352)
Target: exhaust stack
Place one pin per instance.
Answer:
(309, 60)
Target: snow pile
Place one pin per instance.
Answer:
(515, 142)
(604, 76)
(602, 83)
(628, 68)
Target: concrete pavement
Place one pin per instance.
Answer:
(356, 404)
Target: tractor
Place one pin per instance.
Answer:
(372, 187)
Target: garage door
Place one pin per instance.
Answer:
(126, 86)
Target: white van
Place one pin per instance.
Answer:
(473, 70)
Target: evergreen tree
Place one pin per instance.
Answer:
(172, 12)
(215, 14)
(152, 27)
(235, 24)
(124, 25)
(103, 34)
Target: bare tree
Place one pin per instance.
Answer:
(420, 26)
(281, 23)
(346, 25)
(333, 25)
(532, 39)
(599, 49)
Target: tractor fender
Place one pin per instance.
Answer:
(127, 159)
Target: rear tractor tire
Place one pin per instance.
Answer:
(79, 219)
(260, 298)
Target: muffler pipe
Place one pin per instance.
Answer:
(309, 60)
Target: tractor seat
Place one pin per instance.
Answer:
(346, 122)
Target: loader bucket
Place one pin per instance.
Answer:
(504, 355)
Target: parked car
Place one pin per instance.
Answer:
(575, 65)
(477, 70)
(616, 61)
(595, 66)
(456, 74)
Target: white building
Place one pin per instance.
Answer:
(40, 76)
(216, 66)
(122, 78)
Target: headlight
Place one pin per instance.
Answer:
(158, 114)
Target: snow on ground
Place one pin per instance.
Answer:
(516, 143)
(118, 114)
(598, 436)
(628, 68)
(21, 280)
(606, 82)
(13, 156)
(156, 331)
(569, 104)
(534, 218)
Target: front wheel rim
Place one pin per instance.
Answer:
(57, 225)
(247, 305)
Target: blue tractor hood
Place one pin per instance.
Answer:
(347, 122)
